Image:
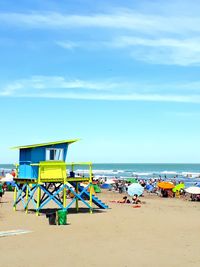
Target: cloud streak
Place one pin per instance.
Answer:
(172, 51)
(129, 19)
(60, 87)
(170, 38)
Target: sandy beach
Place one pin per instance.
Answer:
(163, 232)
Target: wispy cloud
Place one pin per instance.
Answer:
(60, 87)
(40, 84)
(120, 19)
(170, 38)
(67, 44)
(128, 20)
(166, 33)
(178, 51)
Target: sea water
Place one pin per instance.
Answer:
(189, 173)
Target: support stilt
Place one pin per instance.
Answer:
(64, 197)
(90, 181)
(77, 208)
(15, 198)
(38, 200)
(27, 193)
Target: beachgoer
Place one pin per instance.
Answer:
(72, 174)
(177, 194)
(124, 200)
(1, 191)
(164, 193)
(13, 173)
(135, 199)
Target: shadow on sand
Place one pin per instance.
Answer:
(69, 211)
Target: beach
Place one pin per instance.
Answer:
(162, 232)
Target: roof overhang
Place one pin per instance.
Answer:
(47, 144)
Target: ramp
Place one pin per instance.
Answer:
(95, 199)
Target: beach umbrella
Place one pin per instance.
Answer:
(135, 189)
(193, 190)
(149, 187)
(7, 178)
(110, 181)
(97, 188)
(106, 186)
(178, 187)
(165, 185)
(131, 180)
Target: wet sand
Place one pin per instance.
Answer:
(163, 232)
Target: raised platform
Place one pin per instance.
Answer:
(51, 180)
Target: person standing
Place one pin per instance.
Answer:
(1, 191)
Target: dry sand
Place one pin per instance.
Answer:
(163, 232)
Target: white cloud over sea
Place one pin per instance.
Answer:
(163, 35)
(63, 88)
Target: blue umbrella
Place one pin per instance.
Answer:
(149, 187)
(106, 186)
(135, 189)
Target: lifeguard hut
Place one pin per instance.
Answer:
(43, 176)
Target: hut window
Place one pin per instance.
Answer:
(54, 154)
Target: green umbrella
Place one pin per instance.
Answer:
(131, 180)
(96, 188)
(178, 187)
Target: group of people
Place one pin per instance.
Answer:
(4, 185)
(125, 200)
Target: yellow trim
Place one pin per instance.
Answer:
(78, 163)
(47, 144)
(38, 200)
(65, 190)
(90, 172)
(64, 197)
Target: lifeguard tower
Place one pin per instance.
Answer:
(44, 176)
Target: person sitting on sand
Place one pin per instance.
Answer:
(123, 201)
(135, 199)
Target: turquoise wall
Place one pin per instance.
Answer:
(35, 155)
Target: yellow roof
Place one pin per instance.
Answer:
(46, 144)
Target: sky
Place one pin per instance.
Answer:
(123, 76)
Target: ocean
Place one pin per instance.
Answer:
(189, 173)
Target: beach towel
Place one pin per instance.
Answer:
(137, 206)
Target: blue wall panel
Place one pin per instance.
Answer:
(35, 155)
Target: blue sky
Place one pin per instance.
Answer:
(122, 77)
